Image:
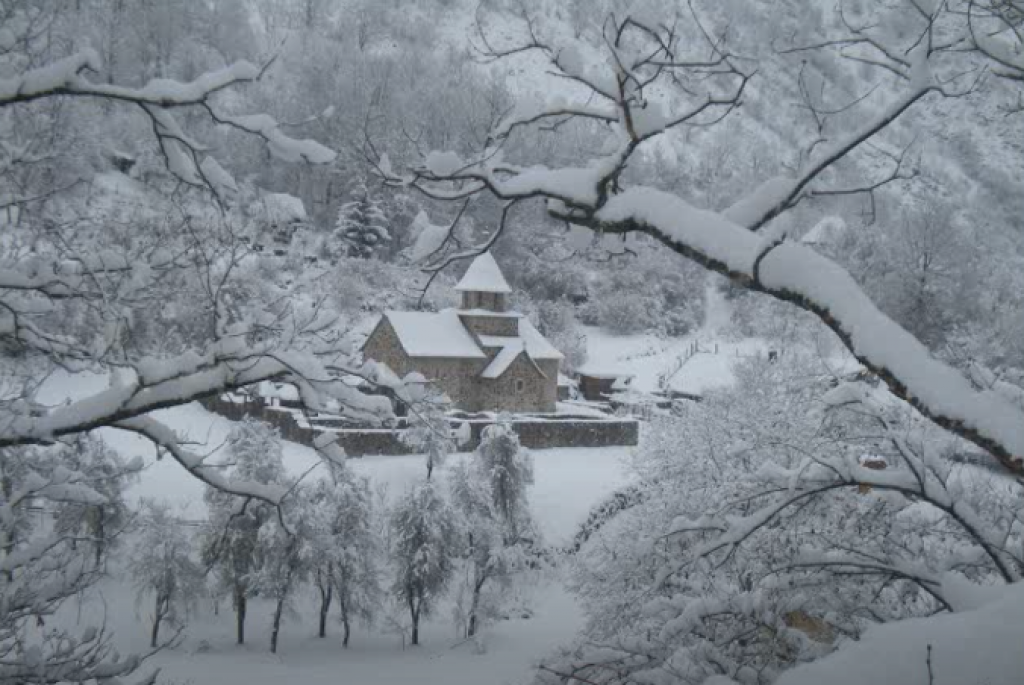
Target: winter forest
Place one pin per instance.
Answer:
(773, 248)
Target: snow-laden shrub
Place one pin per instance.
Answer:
(360, 285)
(50, 561)
(778, 516)
(558, 322)
(345, 551)
(231, 541)
(625, 313)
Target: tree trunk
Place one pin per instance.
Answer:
(474, 606)
(278, 610)
(345, 623)
(7, 486)
(414, 614)
(100, 533)
(158, 615)
(240, 616)
(326, 595)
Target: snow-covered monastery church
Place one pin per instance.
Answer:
(483, 356)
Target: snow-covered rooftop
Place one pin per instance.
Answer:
(504, 359)
(430, 334)
(537, 346)
(484, 275)
(443, 334)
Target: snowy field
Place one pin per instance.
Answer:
(568, 482)
(208, 653)
(648, 357)
(692, 364)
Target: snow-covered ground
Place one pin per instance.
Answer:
(647, 357)
(208, 653)
(568, 482)
(692, 364)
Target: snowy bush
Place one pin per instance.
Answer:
(282, 560)
(430, 433)
(625, 313)
(44, 566)
(778, 517)
(359, 286)
(102, 523)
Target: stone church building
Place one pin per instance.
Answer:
(483, 356)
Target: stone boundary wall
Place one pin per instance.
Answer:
(534, 432)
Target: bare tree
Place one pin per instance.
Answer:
(620, 78)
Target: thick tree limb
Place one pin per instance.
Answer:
(590, 196)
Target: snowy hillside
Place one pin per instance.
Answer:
(786, 236)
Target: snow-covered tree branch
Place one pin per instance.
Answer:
(632, 67)
(105, 281)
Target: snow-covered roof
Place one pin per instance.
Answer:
(622, 383)
(604, 375)
(430, 334)
(504, 359)
(537, 346)
(483, 275)
(443, 334)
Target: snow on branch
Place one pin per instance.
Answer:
(66, 77)
(170, 382)
(166, 439)
(997, 31)
(797, 274)
(158, 98)
(592, 196)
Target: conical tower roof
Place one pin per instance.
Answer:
(484, 276)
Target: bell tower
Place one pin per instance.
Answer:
(485, 299)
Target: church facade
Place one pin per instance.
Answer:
(482, 355)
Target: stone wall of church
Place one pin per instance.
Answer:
(494, 302)
(451, 375)
(507, 326)
(519, 389)
(533, 433)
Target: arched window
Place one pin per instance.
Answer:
(520, 385)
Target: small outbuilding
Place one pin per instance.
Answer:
(598, 386)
